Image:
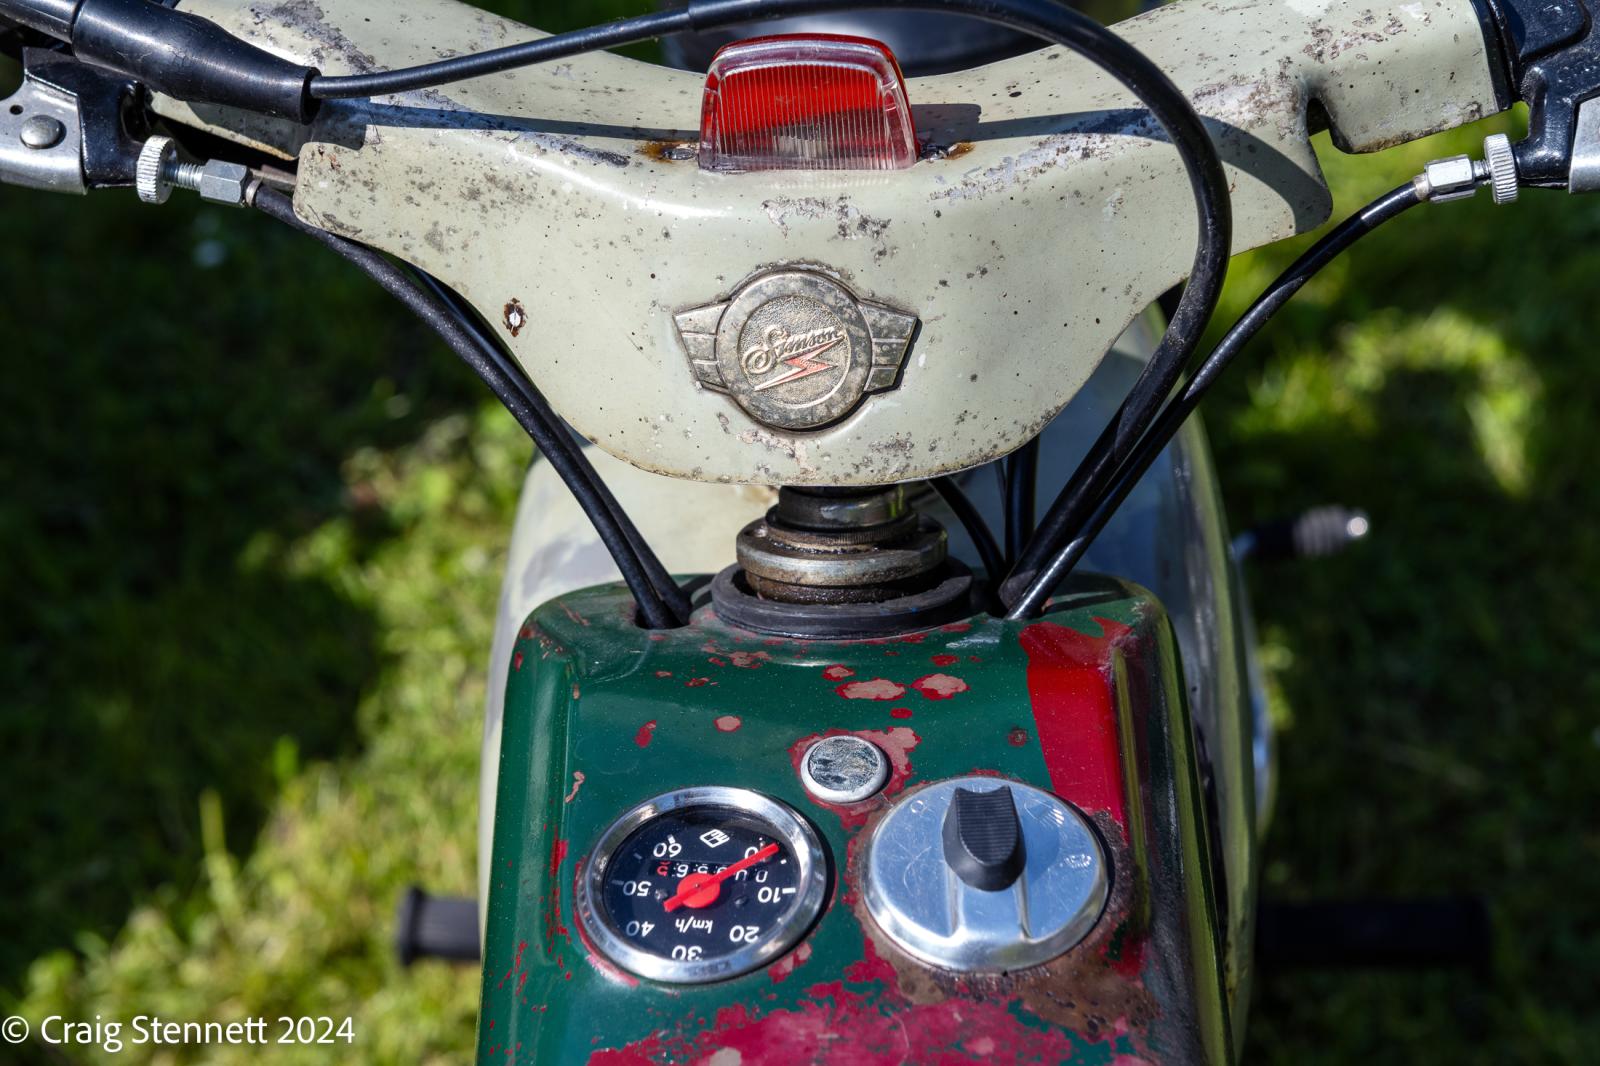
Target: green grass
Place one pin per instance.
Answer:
(253, 522)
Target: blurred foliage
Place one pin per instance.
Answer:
(253, 521)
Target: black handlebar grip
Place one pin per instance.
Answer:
(190, 58)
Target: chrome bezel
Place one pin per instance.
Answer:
(791, 925)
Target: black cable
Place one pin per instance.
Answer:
(672, 595)
(1022, 475)
(539, 424)
(977, 529)
(1272, 298)
(528, 53)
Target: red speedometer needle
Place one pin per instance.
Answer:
(700, 890)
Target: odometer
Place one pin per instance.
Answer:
(703, 884)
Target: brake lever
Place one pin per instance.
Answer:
(1552, 53)
(70, 127)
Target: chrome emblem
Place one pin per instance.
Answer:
(796, 349)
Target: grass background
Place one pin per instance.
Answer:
(251, 528)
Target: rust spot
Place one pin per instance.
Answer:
(899, 712)
(957, 150)
(1017, 738)
(696, 682)
(663, 673)
(516, 661)
(645, 734)
(728, 723)
(946, 660)
(669, 151)
(516, 316)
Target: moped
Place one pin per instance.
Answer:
(812, 736)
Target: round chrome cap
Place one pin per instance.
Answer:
(928, 909)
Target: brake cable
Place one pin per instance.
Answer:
(526, 405)
(1385, 208)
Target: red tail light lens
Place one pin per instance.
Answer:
(806, 102)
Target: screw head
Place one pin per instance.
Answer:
(42, 131)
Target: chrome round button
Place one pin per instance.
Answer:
(844, 769)
(929, 862)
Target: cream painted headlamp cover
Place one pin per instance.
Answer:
(554, 199)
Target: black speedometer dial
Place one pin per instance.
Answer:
(702, 884)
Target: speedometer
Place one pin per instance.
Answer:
(703, 884)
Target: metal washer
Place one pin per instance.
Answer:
(844, 769)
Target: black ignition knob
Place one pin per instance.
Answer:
(983, 838)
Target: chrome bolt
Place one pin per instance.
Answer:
(42, 131)
(1502, 163)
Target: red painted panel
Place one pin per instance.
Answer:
(1070, 687)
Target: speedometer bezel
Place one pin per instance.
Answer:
(790, 829)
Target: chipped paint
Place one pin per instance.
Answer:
(939, 686)
(879, 688)
(727, 723)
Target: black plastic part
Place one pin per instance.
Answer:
(1375, 933)
(949, 600)
(983, 838)
(1551, 51)
(109, 113)
(53, 17)
(436, 927)
(190, 58)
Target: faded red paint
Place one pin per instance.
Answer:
(696, 682)
(838, 1026)
(956, 627)
(577, 783)
(899, 712)
(749, 660)
(728, 723)
(1075, 712)
(837, 672)
(946, 660)
(663, 673)
(645, 734)
(879, 688)
(714, 661)
(939, 686)
(516, 661)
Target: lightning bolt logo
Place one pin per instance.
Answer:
(805, 364)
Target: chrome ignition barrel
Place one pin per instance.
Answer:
(837, 545)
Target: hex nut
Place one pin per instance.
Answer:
(222, 182)
(1450, 179)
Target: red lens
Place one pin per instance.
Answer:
(806, 102)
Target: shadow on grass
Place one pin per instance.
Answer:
(1442, 677)
(182, 387)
